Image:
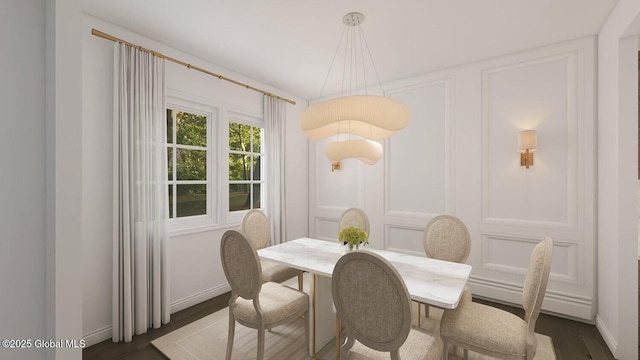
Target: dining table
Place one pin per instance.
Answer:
(430, 281)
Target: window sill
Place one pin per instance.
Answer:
(200, 229)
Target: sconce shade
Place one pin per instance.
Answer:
(366, 151)
(370, 116)
(527, 140)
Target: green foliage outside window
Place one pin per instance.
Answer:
(245, 144)
(189, 164)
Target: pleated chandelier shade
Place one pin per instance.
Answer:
(367, 151)
(368, 117)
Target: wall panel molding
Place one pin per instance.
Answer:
(336, 189)
(413, 167)
(327, 228)
(405, 239)
(558, 158)
(566, 259)
(472, 171)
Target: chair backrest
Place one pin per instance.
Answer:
(372, 300)
(354, 217)
(240, 264)
(535, 284)
(447, 238)
(255, 226)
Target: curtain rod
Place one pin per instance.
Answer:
(157, 54)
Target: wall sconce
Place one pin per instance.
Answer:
(527, 144)
(335, 166)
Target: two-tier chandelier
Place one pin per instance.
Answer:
(363, 119)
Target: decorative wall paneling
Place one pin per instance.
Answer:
(418, 159)
(459, 156)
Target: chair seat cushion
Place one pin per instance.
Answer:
(275, 272)
(277, 301)
(418, 346)
(486, 327)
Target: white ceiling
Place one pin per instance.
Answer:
(289, 44)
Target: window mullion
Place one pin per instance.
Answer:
(174, 169)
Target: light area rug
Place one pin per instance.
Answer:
(206, 339)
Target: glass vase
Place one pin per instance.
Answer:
(351, 247)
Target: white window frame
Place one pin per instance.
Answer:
(255, 121)
(191, 104)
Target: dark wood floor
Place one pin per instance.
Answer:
(140, 347)
(573, 340)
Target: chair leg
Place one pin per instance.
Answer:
(346, 348)
(465, 353)
(445, 351)
(426, 310)
(395, 355)
(232, 326)
(306, 328)
(260, 344)
(300, 279)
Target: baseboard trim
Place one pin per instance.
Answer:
(97, 336)
(567, 305)
(609, 339)
(105, 333)
(198, 298)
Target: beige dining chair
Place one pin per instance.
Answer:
(255, 226)
(495, 332)
(445, 238)
(373, 304)
(255, 304)
(354, 217)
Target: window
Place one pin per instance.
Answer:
(188, 162)
(215, 163)
(245, 167)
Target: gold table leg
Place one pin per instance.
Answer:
(313, 305)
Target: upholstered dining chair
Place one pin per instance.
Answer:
(494, 332)
(373, 304)
(354, 217)
(446, 238)
(255, 226)
(253, 303)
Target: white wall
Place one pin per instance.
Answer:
(41, 226)
(459, 156)
(617, 161)
(63, 176)
(22, 140)
(196, 273)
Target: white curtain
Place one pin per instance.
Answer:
(140, 258)
(275, 117)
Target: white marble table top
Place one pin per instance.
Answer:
(435, 282)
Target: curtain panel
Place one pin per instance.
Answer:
(275, 118)
(140, 244)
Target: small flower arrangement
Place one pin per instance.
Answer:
(353, 236)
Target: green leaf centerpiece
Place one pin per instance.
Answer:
(353, 236)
